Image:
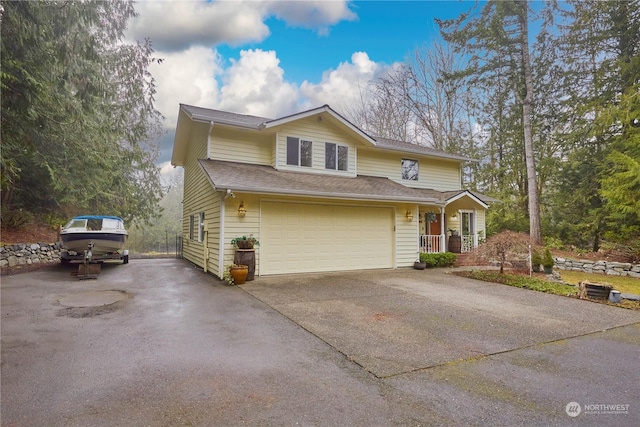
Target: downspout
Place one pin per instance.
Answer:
(443, 238)
(221, 243)
(205, 233)
(475, 228)
(209, 140)
(205, 249)
(277, 156)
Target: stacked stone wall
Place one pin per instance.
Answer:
(599, 267)
(28, 254)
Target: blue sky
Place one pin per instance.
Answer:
(387, 31)
(274, 58)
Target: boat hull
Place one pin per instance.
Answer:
(103, 242)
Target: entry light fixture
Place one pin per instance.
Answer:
(409, 216)
(242, 211)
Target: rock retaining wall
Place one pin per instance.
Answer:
(29, 253)
(599, 267)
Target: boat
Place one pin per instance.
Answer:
(96, 237)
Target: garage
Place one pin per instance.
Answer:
(306, 237)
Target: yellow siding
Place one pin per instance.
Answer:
(406, 236)
(241, 146)
(234, 226)
(406, 233)
(438, 174)
(199, 196)
(318, 133)
(481, 223)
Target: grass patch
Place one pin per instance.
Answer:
(627, 285)
(520, 281)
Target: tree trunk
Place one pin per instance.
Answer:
(532, 180)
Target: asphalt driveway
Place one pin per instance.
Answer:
(171, 345)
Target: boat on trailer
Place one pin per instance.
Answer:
(94, 238)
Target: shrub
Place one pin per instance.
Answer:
(16, 219)
(536, 260)
(547, 260)
(441, 259)
(502, 246)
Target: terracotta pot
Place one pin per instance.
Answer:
(239, 273)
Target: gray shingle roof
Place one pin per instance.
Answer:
(392, 144)
(445, 196)
(265, 179)
(223, 117)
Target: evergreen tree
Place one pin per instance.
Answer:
(497, 42)
(77, 111)
(600, 46)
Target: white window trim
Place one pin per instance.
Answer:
(402, 169)
(337, 145)
(300, 141)
(201, 227)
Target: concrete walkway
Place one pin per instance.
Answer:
(383, 348)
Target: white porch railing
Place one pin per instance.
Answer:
(469, 243)
(431, 243)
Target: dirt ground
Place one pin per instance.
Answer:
(35, 233)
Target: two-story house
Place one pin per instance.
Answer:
(317, 192)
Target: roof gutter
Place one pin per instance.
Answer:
(422, 153)
(343, 196)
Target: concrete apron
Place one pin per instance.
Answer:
(396, 322)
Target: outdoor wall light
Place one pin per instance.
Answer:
(242, 211)
(409, 216)
(454, 217)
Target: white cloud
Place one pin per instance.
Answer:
(315, 14)
(187, 77)
(177, 25)
(344, 85)
(255, 84)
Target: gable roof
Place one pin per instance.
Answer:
(331, 113)
(208, 115)
(447, 197)
(267, 180)
(245, 121)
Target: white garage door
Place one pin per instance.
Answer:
(298, 237)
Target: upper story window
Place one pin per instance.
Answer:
(410, 169)
(298, 152)
(336, 156)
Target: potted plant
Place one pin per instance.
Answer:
(244, 242)
(453, 232)
(547, 261)
(419, 265)
(236, 274)
(536, 260)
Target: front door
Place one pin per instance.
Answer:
(433, 229)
